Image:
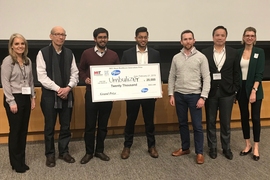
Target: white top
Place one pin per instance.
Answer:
(99, 52)
(219, 58)
(142, 57)
(244, 63)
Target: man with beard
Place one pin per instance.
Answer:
(140, 54)
(188, 87)
(96, 111)
(225, 73)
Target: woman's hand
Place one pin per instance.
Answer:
(14, 108)
(252, 97)
(33, 103)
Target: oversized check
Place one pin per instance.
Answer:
(125, 82)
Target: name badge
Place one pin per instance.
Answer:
(216, 76)
(26, 90)
(256, 55)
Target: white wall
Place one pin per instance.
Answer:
(165, 19)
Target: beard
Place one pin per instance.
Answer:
(188, 47)
(99, 45)
(142, 45)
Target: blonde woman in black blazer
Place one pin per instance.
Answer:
(252, 67)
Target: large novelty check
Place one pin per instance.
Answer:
(125, 82)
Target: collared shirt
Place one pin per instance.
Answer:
(99, 52)
(14, 77)
(219, 58)
(49, 83)
(142, 57)
(193, 50)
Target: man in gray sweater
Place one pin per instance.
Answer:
(188, 88)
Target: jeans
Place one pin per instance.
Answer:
(183, 102)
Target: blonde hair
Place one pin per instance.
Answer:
(249, 29)
(13, 54)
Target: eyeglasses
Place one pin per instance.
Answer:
(250, 36)
(102, 37)
(142, 37)
(59, 35)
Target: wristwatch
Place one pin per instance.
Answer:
(256, 89)
(204, 98)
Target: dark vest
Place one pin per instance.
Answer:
(68, 56)
(57, 68)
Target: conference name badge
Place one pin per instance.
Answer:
(256, 55)
(216, 76)
(26, 90)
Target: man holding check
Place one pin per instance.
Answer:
(140, 54)
(96, 111)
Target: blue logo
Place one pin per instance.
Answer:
(144, 90)
(116, 72)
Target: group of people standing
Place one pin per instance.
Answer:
(216, 78)
(213, 78)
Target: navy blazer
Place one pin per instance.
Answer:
(230, 72)
(130, 56)
(255, 71)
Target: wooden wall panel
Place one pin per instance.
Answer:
(4, 127)
(165, 116)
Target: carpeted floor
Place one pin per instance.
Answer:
(140, 166)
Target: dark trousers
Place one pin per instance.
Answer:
(95, 111)
(224, 106)
(18, 128)
(243, 102)
(50, 115)
(132, 110)
(183, 102)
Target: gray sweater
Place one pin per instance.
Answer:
(12, 79)
(189, 74)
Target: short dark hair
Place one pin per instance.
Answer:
(140, 29)
(187, 31)
(219, 27)
(100, 30)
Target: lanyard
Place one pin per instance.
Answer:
(215, 59)
(23, 71)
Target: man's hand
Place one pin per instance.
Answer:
(87, 81)
(172, 101)
(200, 103)
(63, 92)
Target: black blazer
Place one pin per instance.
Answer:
(230, 72)
(130, 56)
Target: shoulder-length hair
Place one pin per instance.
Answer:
(249, 29)
(13, 54)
